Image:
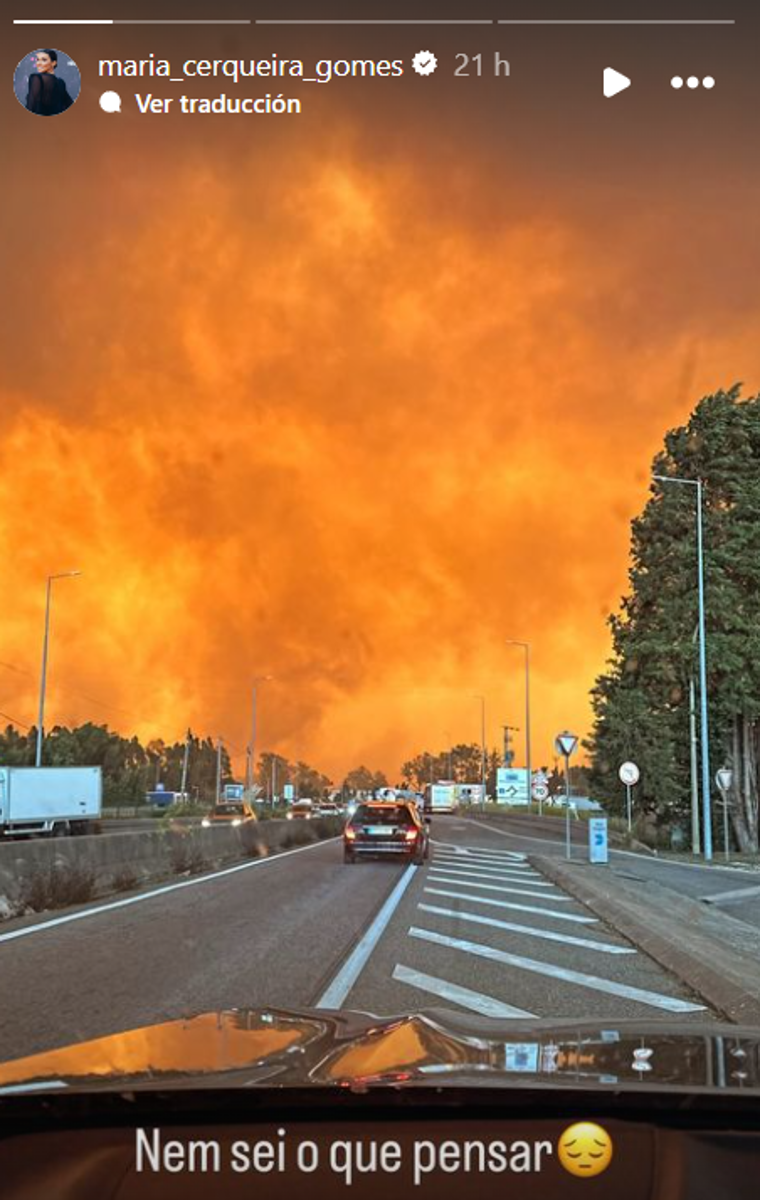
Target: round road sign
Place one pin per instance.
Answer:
(540, 791)
(629, 773)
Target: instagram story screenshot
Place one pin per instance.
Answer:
(380, 599)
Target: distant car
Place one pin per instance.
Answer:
(381, 827)
(328, 808)
(302, 810)
(229, 812)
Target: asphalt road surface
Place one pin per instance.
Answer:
(476, 928)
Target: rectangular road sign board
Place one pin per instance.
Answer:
(233, 791)
(289, 791)
(512, 785)
(597, 840)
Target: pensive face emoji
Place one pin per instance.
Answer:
(585, 1149)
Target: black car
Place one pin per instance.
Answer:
(386, 827)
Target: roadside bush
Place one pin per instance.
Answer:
(327, 827)
(124, 880)
(298, 835)
(57, 886)
(186, 856)
(190, 809)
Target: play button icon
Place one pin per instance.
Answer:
(614, 82)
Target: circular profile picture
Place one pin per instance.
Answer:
(47, 82)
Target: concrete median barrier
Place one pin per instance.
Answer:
(54, 872)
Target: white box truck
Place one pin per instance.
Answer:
(49, 800)
(440, 798)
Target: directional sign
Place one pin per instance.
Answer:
(565, 743)
(597, 840)
(288, 791)
(511, 785)
(629, 774)
(723, 779)
(233, 791)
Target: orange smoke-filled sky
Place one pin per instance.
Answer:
(346, 421)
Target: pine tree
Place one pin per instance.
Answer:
(641, 703)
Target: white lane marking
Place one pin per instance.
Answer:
(566, 938)
(728, 897)
(161, 891)
(517, 855)
(478, 1002)
(503, 856)
(493, 873)
(513, 905)
(594, 982)
(339, 987)
(647, 858)
(524, 837)
(463, 880)
(485, 864)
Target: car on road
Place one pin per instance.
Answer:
(382, 827)
(302, 810)
(329, 808)
(229, 812)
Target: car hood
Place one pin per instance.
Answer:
(311, 1047)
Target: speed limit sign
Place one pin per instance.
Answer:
(540, 791)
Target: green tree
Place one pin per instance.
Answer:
(641, 703)
(361, 779)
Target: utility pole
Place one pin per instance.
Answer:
(482, 700)
(43, 673)
(508, 755)
(528, 766)
(185, 764)
(218, 769)
(252, 748)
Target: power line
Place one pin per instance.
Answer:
(6, 716)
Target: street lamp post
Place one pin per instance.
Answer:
(706, 802)
(43, 678)
(528, 766)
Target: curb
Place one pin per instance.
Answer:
(674, 931)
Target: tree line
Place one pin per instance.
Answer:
(131, 769)
(463, 764)
(645, 699)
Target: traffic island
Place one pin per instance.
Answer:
(695, 944)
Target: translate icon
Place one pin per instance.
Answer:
(614, 82)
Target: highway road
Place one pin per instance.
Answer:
(476, 928)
